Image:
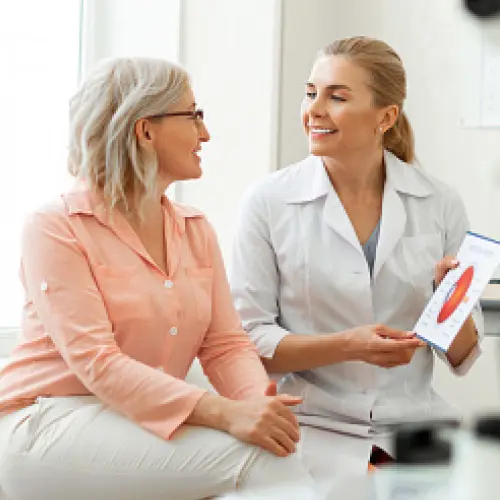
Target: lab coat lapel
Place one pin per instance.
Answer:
(392, 226)
(311, 183)
(337, 219)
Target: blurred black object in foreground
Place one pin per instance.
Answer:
(483, 8)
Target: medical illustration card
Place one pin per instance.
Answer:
(460, 289)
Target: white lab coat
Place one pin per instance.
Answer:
(298, 266)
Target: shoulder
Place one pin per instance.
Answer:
(188, 211)
(48, 224)
(52, 213)
(439, 187)
(279, 187)
(195, 222)
(414, 180)
(192, 217)
(443, 194)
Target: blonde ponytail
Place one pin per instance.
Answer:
(399, 139)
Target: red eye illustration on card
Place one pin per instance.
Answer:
(456, 295)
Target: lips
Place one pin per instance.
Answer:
(321, 130)
(318, 134)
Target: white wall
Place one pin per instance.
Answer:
(128, 28)
(231, 49)
(37, 76)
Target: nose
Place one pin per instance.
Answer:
(316, 107)
(203, 131)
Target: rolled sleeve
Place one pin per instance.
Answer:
(254, 276)
(59, 282)
(267, 338)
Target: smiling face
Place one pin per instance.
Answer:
(338, 111)
(176, 140)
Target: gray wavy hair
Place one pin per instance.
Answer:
(103, 148)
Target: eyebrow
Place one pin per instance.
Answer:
(333, 86)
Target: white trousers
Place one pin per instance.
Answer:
(330, 455)
(75, 448)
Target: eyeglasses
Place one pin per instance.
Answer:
(197, 114)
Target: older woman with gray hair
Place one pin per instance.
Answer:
(124, 288)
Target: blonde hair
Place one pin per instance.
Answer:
(387, 82)
(103, 148)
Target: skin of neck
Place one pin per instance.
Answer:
(357, 174)
(152, 208)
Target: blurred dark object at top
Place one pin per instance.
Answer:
(483, 8)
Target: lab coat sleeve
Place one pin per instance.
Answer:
(254, 274)
(456, 225)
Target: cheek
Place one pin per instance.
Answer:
(173, 147)
(356, 121)
(166, 154)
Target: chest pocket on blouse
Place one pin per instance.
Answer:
(124, 294)
(421, 254)
(200, 293)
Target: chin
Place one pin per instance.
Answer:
(320, 150)
(197, 173)
(192, 175)
(189, 172)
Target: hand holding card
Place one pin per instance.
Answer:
(459, 290)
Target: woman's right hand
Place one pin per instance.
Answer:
(383, 346)
(266, 422)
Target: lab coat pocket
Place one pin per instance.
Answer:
(201, 280)
(421, 254)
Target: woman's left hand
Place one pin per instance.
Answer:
(442, 268)
(467, 336)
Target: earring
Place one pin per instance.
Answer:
(381, 130)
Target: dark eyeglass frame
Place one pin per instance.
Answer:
(197, 114)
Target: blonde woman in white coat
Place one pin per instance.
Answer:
(335, 258)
